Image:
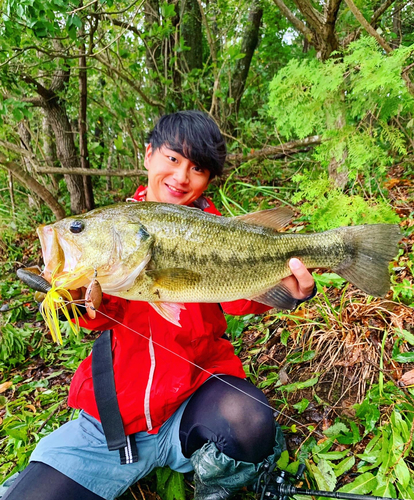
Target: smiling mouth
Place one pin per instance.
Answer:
(180, 191)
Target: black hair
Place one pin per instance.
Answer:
(193, 134)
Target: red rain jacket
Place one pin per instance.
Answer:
(158, 365)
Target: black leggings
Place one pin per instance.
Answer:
(240, 426)
(38, 481)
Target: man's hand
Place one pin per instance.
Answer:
(301, 283)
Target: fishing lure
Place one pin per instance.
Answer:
(93, 298)
(56, 301)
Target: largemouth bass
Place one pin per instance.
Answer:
(162, 253)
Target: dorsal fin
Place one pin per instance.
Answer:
(274, 218)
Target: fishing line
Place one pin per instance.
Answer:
(198, 366)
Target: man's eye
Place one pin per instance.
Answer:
(198, 169)
(171, 158)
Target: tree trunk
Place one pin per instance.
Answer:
(49, 150)
(319, 29)
(337, 172)
(191, 33)
(248, 46)
(151, 17)
(66, 151)
(25, 138)
(396, 27)
(83, 139)
(171, 63)
(54, 108)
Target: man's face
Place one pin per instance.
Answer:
(172, 178)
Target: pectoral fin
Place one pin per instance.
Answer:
(275, 218)
(173, 278)
(279, 297)
(169, 311)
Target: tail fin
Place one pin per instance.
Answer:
(371, 248)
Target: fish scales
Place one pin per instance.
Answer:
(231, 256)
(170, 253)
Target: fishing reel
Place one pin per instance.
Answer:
(273, 482)
(276, 484)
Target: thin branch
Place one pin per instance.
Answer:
(115, 12)
(297, 23)
(365, 24)
(91, 172)
(16, 149)
(82, 8)
(40, 89)
(32, 185)
(408, 68)
(122, 32)
(381, 9)
(285, 149)
(129, 81)
(126, 26)
(208, 33)
(377, 14)
(213, 54)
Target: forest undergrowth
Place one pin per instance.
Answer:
(339, 370)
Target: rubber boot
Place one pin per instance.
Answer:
(7, 483)
(217, 476)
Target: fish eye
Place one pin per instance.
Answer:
(76, 226)
(142, 234)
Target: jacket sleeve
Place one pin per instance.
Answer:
(243, 306)
(110, 313)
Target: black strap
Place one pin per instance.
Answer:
(107, 402)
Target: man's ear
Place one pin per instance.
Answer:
(148, 154)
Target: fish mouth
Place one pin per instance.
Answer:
(61, 260)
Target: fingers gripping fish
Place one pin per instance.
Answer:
(171, 254)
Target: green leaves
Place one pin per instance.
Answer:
(170, 484)
(301, 406)
(167, 10)
(369, 414)
(351, 102)
(330, 207)
(324, 475)
(362, 485)
(73, 23)
(299, 385)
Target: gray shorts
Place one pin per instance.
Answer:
(78, 449)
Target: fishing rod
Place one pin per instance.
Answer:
(276, 484)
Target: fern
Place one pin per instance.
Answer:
(394, 138)
(351, 103)
(355, 103)
(329, 207)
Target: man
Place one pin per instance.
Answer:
(181, 394)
